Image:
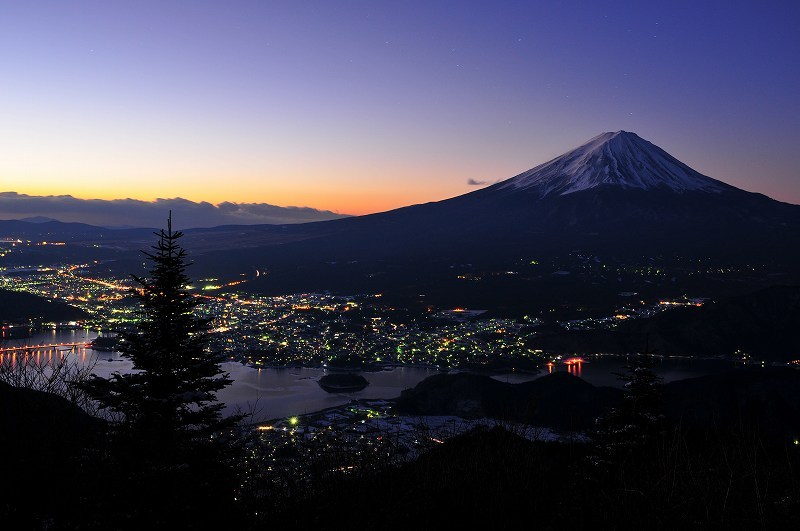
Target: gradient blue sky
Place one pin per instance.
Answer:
(362, 106)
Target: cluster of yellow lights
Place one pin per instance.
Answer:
(674, 303)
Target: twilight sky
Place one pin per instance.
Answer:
(363, 106)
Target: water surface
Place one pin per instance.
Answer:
(271, 393)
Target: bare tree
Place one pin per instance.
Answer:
(58, 373)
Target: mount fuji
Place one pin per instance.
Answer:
(617, 192)
(617, 196)
(618, 159)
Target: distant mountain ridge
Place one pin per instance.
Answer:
(139, 213)
(37, 219)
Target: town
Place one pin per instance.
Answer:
(360, 331)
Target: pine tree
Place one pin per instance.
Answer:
(626, 429)
(166, 452)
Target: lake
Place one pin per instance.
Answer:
(269, 393)
(272, 393)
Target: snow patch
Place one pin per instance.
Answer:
(619, 159)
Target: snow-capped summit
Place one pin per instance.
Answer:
(620, 159)
(617, 196)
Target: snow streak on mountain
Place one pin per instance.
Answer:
(620, 159)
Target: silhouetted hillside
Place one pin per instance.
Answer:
(484, 478)
(17, 306)
(763, 324)
(42, 439)
(768, 398)
(493, 479)
(558, 400)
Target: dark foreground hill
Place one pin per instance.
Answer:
(43, 441)
(493, 479)
(715, 464)
(38, 426)
(768, 398)
(725, 471)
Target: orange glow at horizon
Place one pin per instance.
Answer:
(351, 204)
(337, 111)
(351, 198)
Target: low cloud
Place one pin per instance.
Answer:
(473, 182)
(137, 213)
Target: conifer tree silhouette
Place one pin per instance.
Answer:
(168, 453)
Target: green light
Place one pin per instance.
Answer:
(293, 421)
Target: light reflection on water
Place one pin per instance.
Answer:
(271, 393)
(268, 393)
(604, 371)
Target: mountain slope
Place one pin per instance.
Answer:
(614, 192)
(616, 195)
